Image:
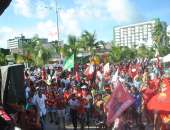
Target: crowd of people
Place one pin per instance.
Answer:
(79, 96)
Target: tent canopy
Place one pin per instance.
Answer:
(166, 58)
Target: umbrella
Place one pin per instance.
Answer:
(160, 102)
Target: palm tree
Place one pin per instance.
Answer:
(56, 45)
(101, 44)
(73, 46)
(36, 52)
(88, 41)
(41, 54)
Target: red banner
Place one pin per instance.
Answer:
(120, 100)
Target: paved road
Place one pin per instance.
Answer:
(53, 126)
(69, 127)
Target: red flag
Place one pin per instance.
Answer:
(120, 100)
(89, 71)
(106, 68)
(160, 102)
(43, 74)
(77, 77)
(4, 115)
(52, 34)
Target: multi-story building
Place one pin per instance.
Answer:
(15, 44)
(134, 35)
(168, 31)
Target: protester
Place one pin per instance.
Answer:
(74, 104)
(39, 101)
(87, 94)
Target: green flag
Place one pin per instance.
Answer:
(69, 63)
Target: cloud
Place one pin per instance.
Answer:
(91, 9)
(121, 11)
(22, 7)
(31, 9)
(5, 33)
(5, 29)
(70, 22)
(41, 10)
(47, 29)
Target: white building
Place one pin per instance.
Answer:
(15, 44)
(168, 31)
(134, 35)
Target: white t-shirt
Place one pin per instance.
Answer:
(40, 102)
(73, 103)
(88, 98)
(27, 91)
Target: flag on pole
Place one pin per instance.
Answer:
(77, 76)
(157, 55)
(106, 68)
(119, 101)
(69, 63)
(89, 70)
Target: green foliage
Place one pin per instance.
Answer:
(36, 53)
(160, 38)
(19, 59)
(88, 41)
(122, 53)
(142, 51)
(57, 47)
(115, 54)
(151, 52)
(127, 53)
(164, 50)
(2, 59)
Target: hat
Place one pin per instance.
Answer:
(84, 86)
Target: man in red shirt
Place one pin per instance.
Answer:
(50, 102)
(60, 106)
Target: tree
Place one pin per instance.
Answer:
(36, 52)
(115, 54)
(160, 38)
(2, 59)
(19, 59)
(73, 46)
(56, 45)
(101, 44)
(88, 41)
(151, 52)
(41, 54)
(142, 51)
(127, 53)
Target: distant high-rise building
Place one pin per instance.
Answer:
(134, 35)
(15, 44)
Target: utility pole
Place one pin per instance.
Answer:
(57, 15)
(56, 10)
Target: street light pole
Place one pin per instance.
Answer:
(57, 15)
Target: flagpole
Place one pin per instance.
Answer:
(74, 66)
